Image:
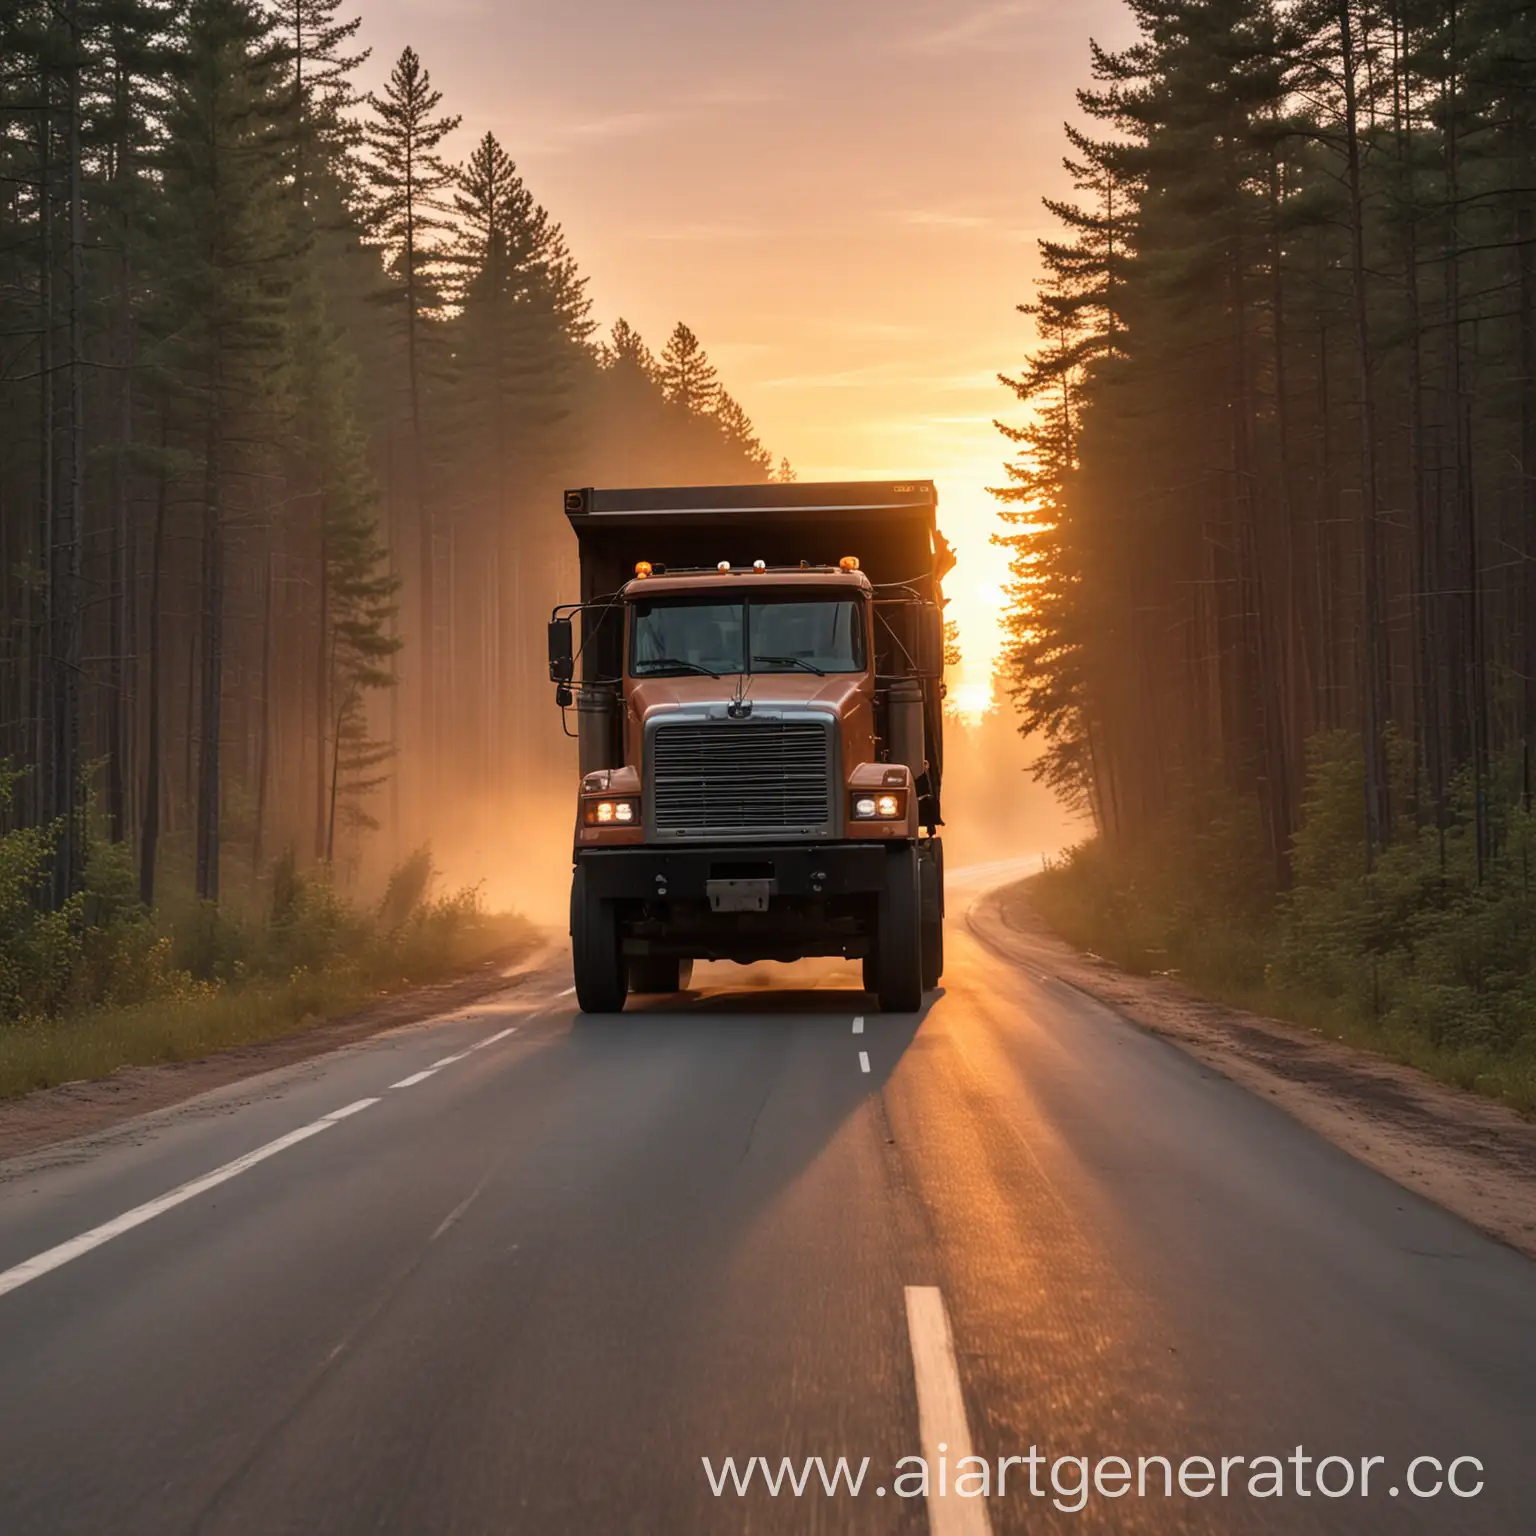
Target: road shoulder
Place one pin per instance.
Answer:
(1471, 1155)
(74, 1110)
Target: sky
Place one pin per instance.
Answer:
(840, 197)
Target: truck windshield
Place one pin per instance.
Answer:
(671, 636)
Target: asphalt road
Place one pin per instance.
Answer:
(533, 1289)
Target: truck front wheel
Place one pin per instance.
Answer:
(898, 947)
(597, 952)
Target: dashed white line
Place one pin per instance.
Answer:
(480, 1045)
(941, 1421)
(448, 1061)
(414, 1078)
(858, 1025)
(41, 1264)
(863, 1061)
(567, 993)
(346, 1110)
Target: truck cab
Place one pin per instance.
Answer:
(759, 734)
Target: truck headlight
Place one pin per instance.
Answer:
(882, 807)
(610, 813)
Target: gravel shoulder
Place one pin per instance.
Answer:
(1471, 1155)
(73, 1110)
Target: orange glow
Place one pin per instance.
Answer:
(642, 569)
(848, 228)
(849, 562)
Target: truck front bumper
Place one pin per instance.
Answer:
(794, 870)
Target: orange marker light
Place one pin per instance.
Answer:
(849, 563)
(642, 569)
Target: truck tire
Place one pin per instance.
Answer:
(898, 945)
(659, 973)
(932, 867)
(597, 952)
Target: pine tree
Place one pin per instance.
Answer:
(321, 68)
(359, 642)
(688, 378)
(626, 348)
(408, 179)
(741, 437)
(519, 346)
(227, 271)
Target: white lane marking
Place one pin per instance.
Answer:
(414, 1078)
(448, 1061)
(863, 1061)
(941, 1422)
(858, 1025)
(31, 1269)
(567, 993)
(346, 1110)
(480, 1045)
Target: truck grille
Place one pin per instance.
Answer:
(749, 776)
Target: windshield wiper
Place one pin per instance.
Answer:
(673, 661)
(792, 661)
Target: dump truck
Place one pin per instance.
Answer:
(755, 675)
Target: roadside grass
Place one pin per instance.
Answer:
(103, 983)
(198, 1018)
(1232, 956)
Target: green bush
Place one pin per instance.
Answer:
(104, 949)
(1416, 952)
(1194, 897)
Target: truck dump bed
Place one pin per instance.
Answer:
(888, 524)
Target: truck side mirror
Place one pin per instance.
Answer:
(562, 654)
(930, 641)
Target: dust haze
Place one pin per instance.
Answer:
(511, 837)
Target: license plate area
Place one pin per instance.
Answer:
(739, 895)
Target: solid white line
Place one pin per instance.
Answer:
(863, 1061)
(30, 1269)
(941, 1423)
(414, 1078)
(858, 1025)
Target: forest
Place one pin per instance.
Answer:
(1274, 516)
(289, 396)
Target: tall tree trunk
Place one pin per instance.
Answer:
(211, 700)
(46, 806)
(149, 837)
(71, 861)
(323, 794)
(119, 690)
(1373, 646)
(264, 715)
(1527, 236)
(426, 643)
(1474, 676)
